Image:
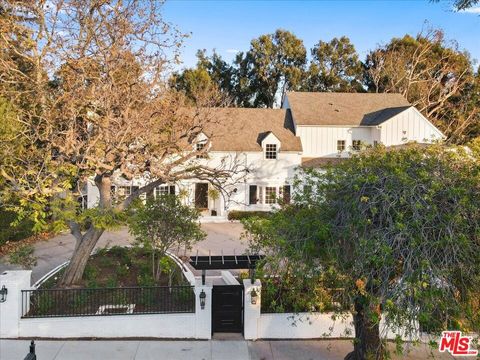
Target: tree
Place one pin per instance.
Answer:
(162, 224)
(335, 67)
(460, 5)
(94, 105)
(210, 73)
(397, 229)
(435, 77)
(274, 63)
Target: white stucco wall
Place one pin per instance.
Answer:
(195, 325)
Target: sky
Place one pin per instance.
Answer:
(229, 26)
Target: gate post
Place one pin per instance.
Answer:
(203, 317)
(251, 311)
(11, 309)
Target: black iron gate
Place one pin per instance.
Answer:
(227, 308)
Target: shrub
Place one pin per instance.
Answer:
(24, 256)
(13, 233)
(240, 215)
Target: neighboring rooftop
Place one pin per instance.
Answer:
(242, 129)
(328, 108)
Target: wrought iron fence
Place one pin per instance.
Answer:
(107, 301)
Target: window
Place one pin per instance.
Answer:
(271, 151)
(124, 191)
(375, 143)
(199, 147)
(356, 144)
(270, 195)
(252, 196)
(341, 145)
(164, 190)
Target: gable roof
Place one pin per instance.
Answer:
(328, 108)
(243, 129)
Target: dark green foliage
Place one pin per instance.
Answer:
(9, 232)
(240, 215)
(161, 224)
(397, 230)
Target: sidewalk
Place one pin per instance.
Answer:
(192, 350)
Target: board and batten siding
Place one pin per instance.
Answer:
(321, 141)
(410, 125)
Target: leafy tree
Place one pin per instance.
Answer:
(434, 75)
(462, 4)
(335, 66)
(210, 73)
(91, 105)
(397, 229)
(274, 63)
(163, 224)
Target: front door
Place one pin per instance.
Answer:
(201, 195)
(227, 308)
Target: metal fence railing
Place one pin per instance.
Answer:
(107, 301)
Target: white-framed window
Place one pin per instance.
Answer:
(270, 195)
(122, 191)
(199, 147)
(356, 145)
(270, 151)
(164, 190)
(340, 145)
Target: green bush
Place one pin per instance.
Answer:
(24, 256)
(13, 233)
(240, 215)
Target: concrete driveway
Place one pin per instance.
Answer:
(55, 251)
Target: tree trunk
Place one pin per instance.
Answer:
(86, 242)
(74, 272)
(367, 344)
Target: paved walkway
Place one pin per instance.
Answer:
(192, 350)
(55, 251)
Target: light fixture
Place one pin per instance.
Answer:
(202, 299)
(3, 294)
(253, 297)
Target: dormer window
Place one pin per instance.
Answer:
(199, 147)
(270, 151)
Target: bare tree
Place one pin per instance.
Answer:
(431, 73)
(90, 100)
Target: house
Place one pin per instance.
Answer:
(310, 129)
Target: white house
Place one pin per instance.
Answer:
(311, 128)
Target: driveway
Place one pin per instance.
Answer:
(55, 251)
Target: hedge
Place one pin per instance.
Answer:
(239, 215)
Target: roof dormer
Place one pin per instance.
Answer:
(271, 146)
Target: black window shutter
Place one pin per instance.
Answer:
(253, 195)
(286, 194)
(171, 189)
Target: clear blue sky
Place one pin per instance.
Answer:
(228, 26)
